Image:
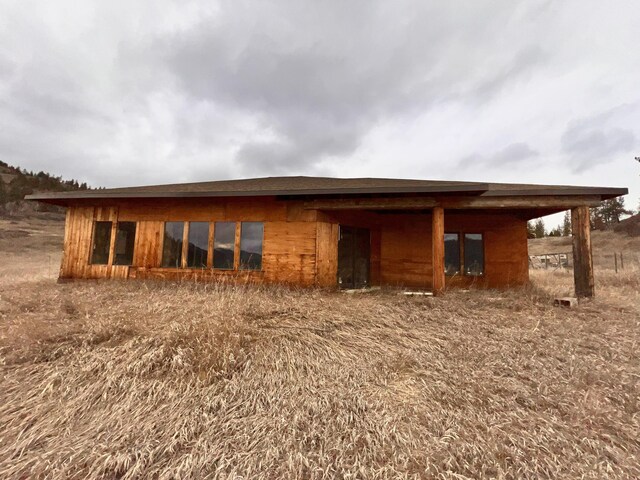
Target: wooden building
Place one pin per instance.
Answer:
(320, 231)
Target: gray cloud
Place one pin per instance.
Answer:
(323, 88)
(122, 93)
(513, 155)
(598, 139)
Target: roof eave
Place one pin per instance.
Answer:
(604, 192)
(478, 188)
(481, 189)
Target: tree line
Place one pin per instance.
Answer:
(603, 217)
(27, 182)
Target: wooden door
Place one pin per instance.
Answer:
(354, 254)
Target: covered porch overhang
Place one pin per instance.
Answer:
(524, 207)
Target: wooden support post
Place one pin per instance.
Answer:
(437, 246)
(582, 259)
(615, 261)
(185, 245)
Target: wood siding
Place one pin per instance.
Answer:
(300, 245)
(289, 244)
(506, 260)
(327, 235)
(405, 251)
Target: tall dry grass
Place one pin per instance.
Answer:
(147, 380)
(614, 290)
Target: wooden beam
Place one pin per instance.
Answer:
(582, 258)
(454, 203)
(527, 202)
(370, 203)
(437, 246)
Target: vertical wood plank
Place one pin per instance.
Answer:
(236, 248)
(326, 258)
(84, 243)
(437, 249)
(76, 242)
(582, 256)
(112, 243)
(159, 238)
(212, 227)
(68, 225)
(376, 241)
(185, 244)
(317, 267)
(113, 218)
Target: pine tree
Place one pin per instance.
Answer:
(613, 209)
(608, 213)
(539, 228)
(566, 224)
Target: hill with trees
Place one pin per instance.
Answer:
(609, 215)
(16, 182)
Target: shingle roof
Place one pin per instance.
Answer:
(320, 186)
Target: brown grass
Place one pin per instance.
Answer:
(150, 380)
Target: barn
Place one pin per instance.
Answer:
(319, 231)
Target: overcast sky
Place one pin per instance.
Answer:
(128, 93)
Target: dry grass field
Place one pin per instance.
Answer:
(151, 380)
(605, 244)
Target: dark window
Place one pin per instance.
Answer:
(224, 245)
(251, 245)
(473, 254)
(172, 245)
(101, 243)
(451, 253)
(125, 240)
(198, 244)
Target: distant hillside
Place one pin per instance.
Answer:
(605, 244)
(630, 225)
(15, 183)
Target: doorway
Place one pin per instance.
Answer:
(354, 252)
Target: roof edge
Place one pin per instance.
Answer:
(605, 192)
(96, 194)
(481, 189)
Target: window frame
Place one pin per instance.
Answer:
(460, 269)
(463, 257)
(211, 246)
(93, 242)
(239, 248)
(235, 249)
(185, 245)
(185, 232)
(461, 243)
(115, 243)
